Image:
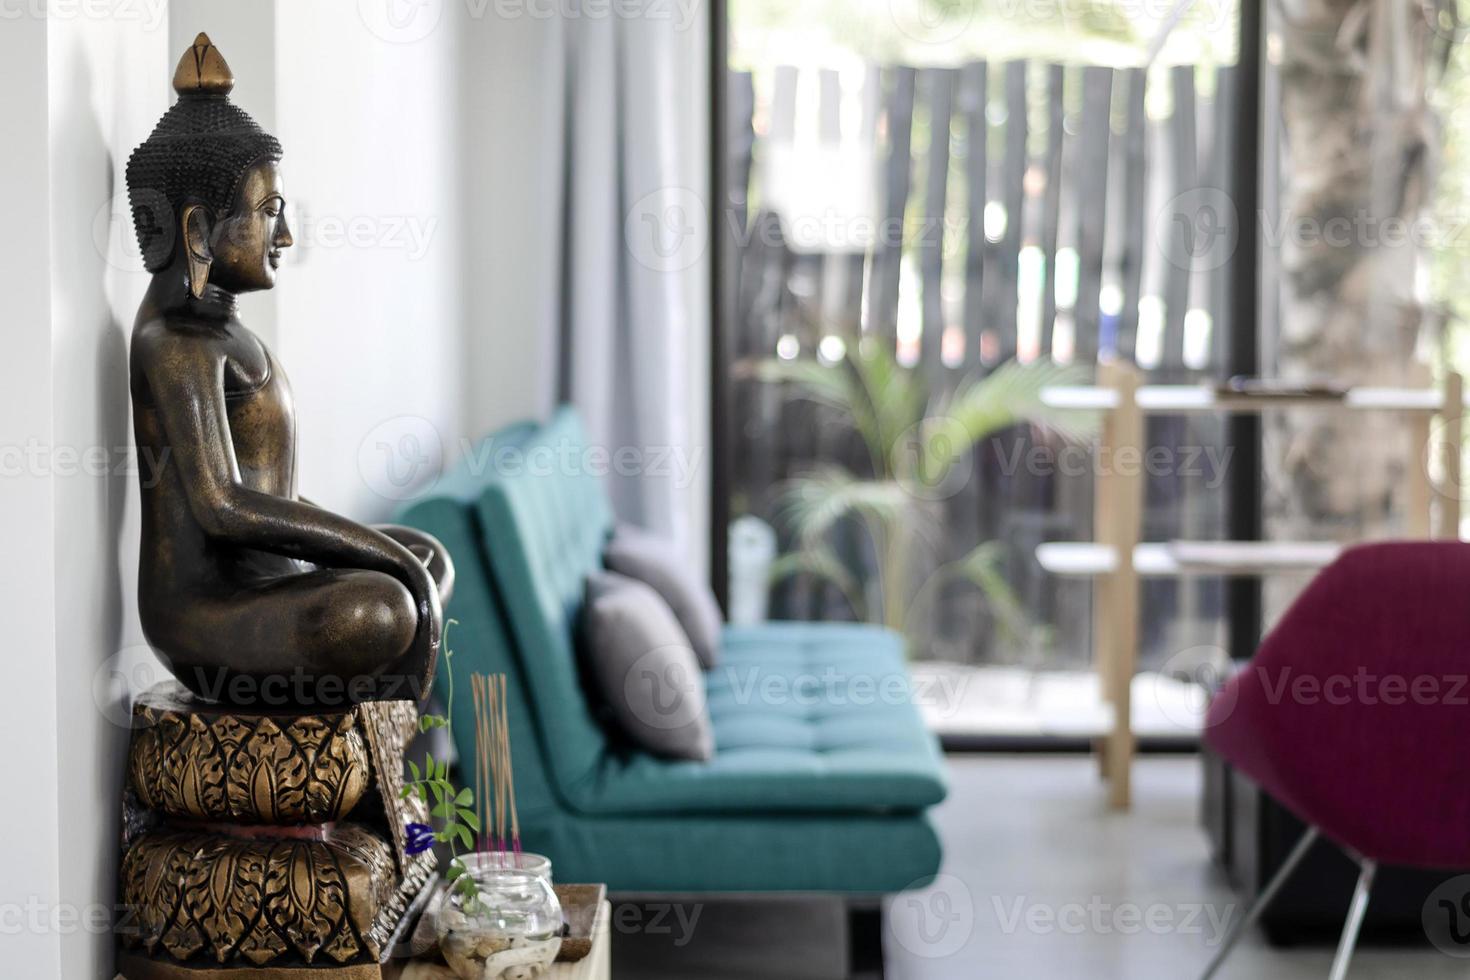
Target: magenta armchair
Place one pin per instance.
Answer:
(1355, 712)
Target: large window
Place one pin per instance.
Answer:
(942, 206)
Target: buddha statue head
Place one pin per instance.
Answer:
(205, 187)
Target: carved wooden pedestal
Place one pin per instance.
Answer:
(267, 846)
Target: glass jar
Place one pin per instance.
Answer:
(510, 930)
(520, 861)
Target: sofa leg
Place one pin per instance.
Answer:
(865, 940)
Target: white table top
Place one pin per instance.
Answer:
(1182, 399)
(1082, 559)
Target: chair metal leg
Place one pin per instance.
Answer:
(1354, 922)
(1261, 902)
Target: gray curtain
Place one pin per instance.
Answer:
(632, 245)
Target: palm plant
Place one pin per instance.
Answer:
(918, 446)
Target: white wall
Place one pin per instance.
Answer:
(370, 301)
(513, 187)
(27, 514)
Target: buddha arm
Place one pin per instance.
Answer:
(191, 406)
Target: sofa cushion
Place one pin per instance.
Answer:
(644, 668)
(807, 717)
(652, 560)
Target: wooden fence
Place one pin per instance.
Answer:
(1008, 181)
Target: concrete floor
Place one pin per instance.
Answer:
(1040, 881)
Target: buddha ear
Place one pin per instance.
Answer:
(196, 230)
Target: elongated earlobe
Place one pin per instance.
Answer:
(196, 228)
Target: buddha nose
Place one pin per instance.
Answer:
(283, 237)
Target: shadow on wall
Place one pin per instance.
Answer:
(90, 480)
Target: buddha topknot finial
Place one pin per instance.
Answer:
(203, 70)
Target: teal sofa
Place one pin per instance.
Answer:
(822, 769)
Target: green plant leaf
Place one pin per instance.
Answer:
(470, 819)
(820, 561)
(1011, 394)
(897, 396)
(465, 797)
(838, 386)
(826, 384)
(813, 503)
(982, 568)
(915, 438)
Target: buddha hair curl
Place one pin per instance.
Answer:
(197, 154)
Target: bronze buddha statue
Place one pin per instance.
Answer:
(252, 594)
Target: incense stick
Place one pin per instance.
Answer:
(492, 760)
(495, 794)
(482, 750)
(510, 773)
(490, 774)
(501, 764)
(475, 699)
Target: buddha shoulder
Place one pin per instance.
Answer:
(182, 351)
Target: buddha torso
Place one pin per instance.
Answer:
(262, 433)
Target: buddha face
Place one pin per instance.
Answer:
(247, 243)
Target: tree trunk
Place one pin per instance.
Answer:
(1359, 146)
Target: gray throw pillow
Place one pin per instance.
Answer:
(653, 561)
(641, 664)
